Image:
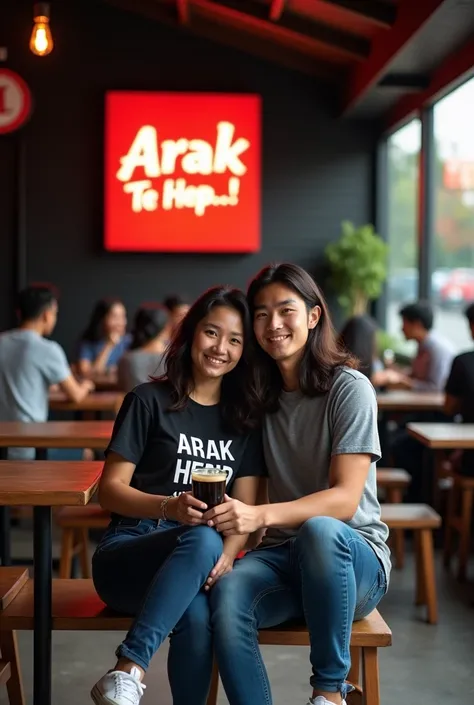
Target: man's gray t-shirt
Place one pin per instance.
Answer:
(303, 435)
(29, 365)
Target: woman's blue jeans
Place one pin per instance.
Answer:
(327, 575)
(155, 571)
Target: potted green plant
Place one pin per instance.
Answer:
(358, 267)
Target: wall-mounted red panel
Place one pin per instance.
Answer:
(182, 172)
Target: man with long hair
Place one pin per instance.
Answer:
(324, 557)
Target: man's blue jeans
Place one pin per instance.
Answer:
(155, 571)
(327, 575)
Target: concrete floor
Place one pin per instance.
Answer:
(426, 664)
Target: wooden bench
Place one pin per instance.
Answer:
(76, 606)
(395, 481)
(458, 519)
(12, 580)
(75, 523)
(421, 519)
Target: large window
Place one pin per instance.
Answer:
(453, 257)
(403, 170)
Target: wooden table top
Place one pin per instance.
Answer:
(456, 436)
(407, 400)
(38, 483)
(96, 401)
(55, 434)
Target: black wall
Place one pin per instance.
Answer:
(316, 170)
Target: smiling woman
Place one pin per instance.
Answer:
(158, 552)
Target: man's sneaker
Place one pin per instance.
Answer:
(118, 688)
(321, 701)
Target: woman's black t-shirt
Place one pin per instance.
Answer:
(165, 446)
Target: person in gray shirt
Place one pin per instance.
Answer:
(324, 557)
(431, 365)
(145, 357)
(30, 364)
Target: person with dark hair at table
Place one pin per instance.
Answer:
(105, 339)
(30, 364)
(146, 354)
(359, 337)
(460, 394)
(178, 308)
(431, 365)
(429, 372)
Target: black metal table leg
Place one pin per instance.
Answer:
(42, 551)
(5, 554)
(5, 542)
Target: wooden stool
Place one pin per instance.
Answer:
(421, 519)
(75, 523)
(12, 580)
(395, 481)
(367, 635)
(458, 518)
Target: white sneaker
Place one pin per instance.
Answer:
(321, 701)
(118, 688)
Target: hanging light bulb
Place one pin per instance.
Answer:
(41, 42)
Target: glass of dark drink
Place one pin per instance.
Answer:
(209, 485)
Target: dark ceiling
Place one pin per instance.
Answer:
(374, 55)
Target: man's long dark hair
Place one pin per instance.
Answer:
(322, 354)
(238, 403)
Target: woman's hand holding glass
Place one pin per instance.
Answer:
(186, 509)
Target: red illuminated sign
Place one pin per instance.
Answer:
(182, 172)
(458, 175)
(15, 101)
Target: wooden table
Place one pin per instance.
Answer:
(41, 436)
(42, 485)
(443, 436)
(407, 401)
(96, 402)
(55, 434)
(440, 437)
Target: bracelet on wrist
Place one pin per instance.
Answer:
(163, 507)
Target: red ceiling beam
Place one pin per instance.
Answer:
(386, 46)
(372, 10)
(256, 14)
(276, 9)
(455, 69)
(183, 11)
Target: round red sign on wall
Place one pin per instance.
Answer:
(15, 101)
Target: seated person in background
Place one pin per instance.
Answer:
(460, 393)
(177, 308)
(145, 356)
(104, 341)
(30, 364)
(432, 363)
(359, 337)
(429, 372)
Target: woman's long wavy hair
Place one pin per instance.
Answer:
(238, 404)
(359, 337)
(322, 354)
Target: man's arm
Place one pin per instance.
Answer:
(347, 477)
(74, 390)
